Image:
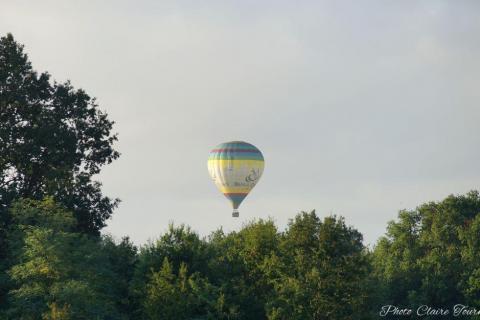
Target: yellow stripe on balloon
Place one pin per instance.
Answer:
(235, 163)
(234, 189)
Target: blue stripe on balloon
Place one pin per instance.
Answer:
(236, 145)
(235, 198)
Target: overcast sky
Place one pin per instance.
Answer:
(361, 108)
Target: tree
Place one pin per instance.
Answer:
(180, 245)
(240, 264)
(167, 295)
(53, 139)
(178, 295)
(121, 261)
(321, 273)
(430, 254)
(57, 273)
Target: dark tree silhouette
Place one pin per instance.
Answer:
(53, 139)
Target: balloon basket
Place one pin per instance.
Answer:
(235, 213)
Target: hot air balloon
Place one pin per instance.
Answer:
(235, 168)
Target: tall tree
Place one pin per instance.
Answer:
(430, 255)
(53, 140)
(179, 245)
(322, 271)
(241, 266)
(58, 273)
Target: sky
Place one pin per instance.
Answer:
(361, 108)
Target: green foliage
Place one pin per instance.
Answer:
(121, 260)
(53, 139)
(180, 295)
(239, 265)
(315, 269)
(178, 245)
(60, 274)
(322, 271)
(169, 296)
(430, 255)
(311, 269)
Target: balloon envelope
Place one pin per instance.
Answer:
(235, 168)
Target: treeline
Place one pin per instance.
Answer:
(55, 264)
(315, 269)
(312, 270)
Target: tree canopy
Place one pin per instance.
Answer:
(430, 255)
(53, 139)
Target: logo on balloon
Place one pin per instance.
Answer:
(253, 176)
